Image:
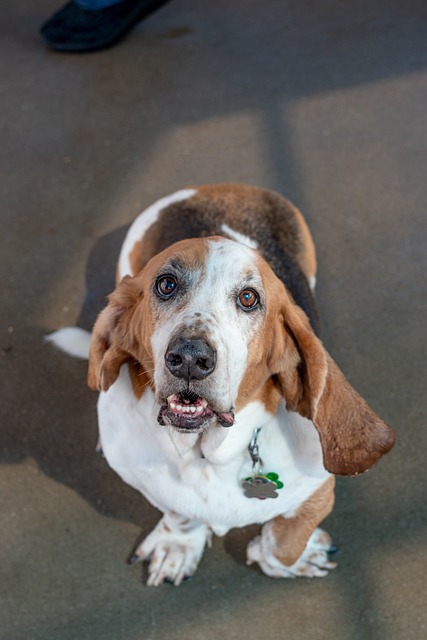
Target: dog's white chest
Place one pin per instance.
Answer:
(200, 477)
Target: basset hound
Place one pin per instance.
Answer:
(218, 401)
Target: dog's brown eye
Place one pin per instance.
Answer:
(247, 299)
(166, 286)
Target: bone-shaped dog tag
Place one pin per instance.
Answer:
(259, 487)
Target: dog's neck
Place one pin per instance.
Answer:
(219, 445)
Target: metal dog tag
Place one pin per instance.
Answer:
(259, 487)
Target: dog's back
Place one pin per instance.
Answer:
(259, 218)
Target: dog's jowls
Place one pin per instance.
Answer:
(218, 401)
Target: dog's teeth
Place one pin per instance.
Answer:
(185, 407)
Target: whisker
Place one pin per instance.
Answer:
(147, 384)
(146, 371)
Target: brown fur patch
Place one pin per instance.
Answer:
(137, 259)
(139, 378)
(255, 213)
(352, 435)
(307, 253)
(267, 348)
(291, 534)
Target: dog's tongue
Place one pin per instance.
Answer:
(226, 419)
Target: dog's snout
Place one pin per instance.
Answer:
(190, 358)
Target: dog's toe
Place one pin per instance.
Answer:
(172, 550)
(171, 564)
(312, 563)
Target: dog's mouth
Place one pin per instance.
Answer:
(188, 412)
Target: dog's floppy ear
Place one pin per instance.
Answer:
(352, 436)
(109, 347)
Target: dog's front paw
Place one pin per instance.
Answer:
(312, 563)
(173, 550)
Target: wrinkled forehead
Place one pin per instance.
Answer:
(228, 260)
(213, 260)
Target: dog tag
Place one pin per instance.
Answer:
(260, 487)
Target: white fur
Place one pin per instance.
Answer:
(142, 223)
(239, 237)
(206, 489)
(312, 563)
(173, 548)
(72, 340)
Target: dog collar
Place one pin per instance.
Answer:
(260, 485)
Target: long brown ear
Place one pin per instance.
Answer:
(107, 348)
(352, 436)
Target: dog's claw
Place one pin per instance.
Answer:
(333, 548)
(134, 559)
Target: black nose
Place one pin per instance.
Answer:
(191, 359)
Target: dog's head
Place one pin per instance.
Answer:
(210, 328)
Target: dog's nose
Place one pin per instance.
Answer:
(190, 358)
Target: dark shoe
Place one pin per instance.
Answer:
(74, 29)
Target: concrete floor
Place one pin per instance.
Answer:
(325, 102)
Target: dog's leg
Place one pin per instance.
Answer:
(173, 549)
(291, 547)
